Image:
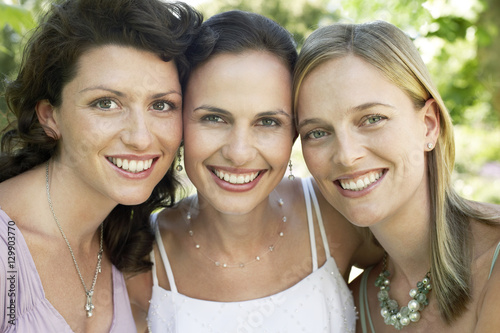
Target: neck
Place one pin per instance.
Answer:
(78, 212)
(237, 236)
(406, 239)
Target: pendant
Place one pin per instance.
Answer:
(89, 307)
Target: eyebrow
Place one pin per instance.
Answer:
(212, 109)
(120, 94)
(358, 108)
(369, 105)
(309, 121)
(225, 112)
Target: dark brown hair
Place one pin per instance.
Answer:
(49, 62)
(237, 31)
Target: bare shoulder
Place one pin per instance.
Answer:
(19, 191)
(488, 209)
(489, 302)
(139, 288)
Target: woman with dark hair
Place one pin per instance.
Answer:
(250, 251)
(97, 103)
(378, 139)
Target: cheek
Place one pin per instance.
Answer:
(316, 162)
(276, 147)
(169, 132)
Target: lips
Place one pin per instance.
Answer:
(361, 182)
(130, 165)
(236, 178)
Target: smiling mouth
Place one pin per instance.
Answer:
(234, 178)
(134, 166)
(362, 182)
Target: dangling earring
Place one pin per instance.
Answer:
(290, 176)
(430, 146)
(179, 159)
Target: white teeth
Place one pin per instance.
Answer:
(133, 166)
(361, 183)
(236, 178)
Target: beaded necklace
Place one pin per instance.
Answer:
(220, 263)
(389, 308)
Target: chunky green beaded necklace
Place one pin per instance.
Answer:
(389, 308)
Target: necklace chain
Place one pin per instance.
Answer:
(89, 306)
(221, 264)
(390, 311)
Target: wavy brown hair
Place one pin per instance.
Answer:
(50, 59)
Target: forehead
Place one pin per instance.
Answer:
(119, 65)
(251, 78)
(345, 82)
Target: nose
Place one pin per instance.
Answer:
(239, 147)
(348, 149)
(136, 133)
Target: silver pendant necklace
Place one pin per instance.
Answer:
(89, 306)
(220, 263)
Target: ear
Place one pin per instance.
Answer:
(47, 118)
(431, 119)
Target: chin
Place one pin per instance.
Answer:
(133, 199)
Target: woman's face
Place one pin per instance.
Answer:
(364, 141)
(238, 128)
(119, 122)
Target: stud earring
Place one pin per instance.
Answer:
(290, 176)
(430, 146)
(179, 159)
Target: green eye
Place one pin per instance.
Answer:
(374, 119)
(316, 134)
(268, 122)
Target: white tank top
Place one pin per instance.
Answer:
(321, 302)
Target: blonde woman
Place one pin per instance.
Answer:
(378, 139)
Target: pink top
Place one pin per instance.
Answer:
(23, 306)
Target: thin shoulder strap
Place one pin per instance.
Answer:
(495, 257)
(364, 309)
(152, 221)
(310, 223)
(164, 258)
(320, 219)
(153, 269)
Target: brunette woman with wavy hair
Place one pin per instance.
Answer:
(97, 105)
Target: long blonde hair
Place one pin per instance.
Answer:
(391, 51)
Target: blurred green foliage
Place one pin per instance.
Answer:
(458, 39)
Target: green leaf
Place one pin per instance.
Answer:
(19, 18)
